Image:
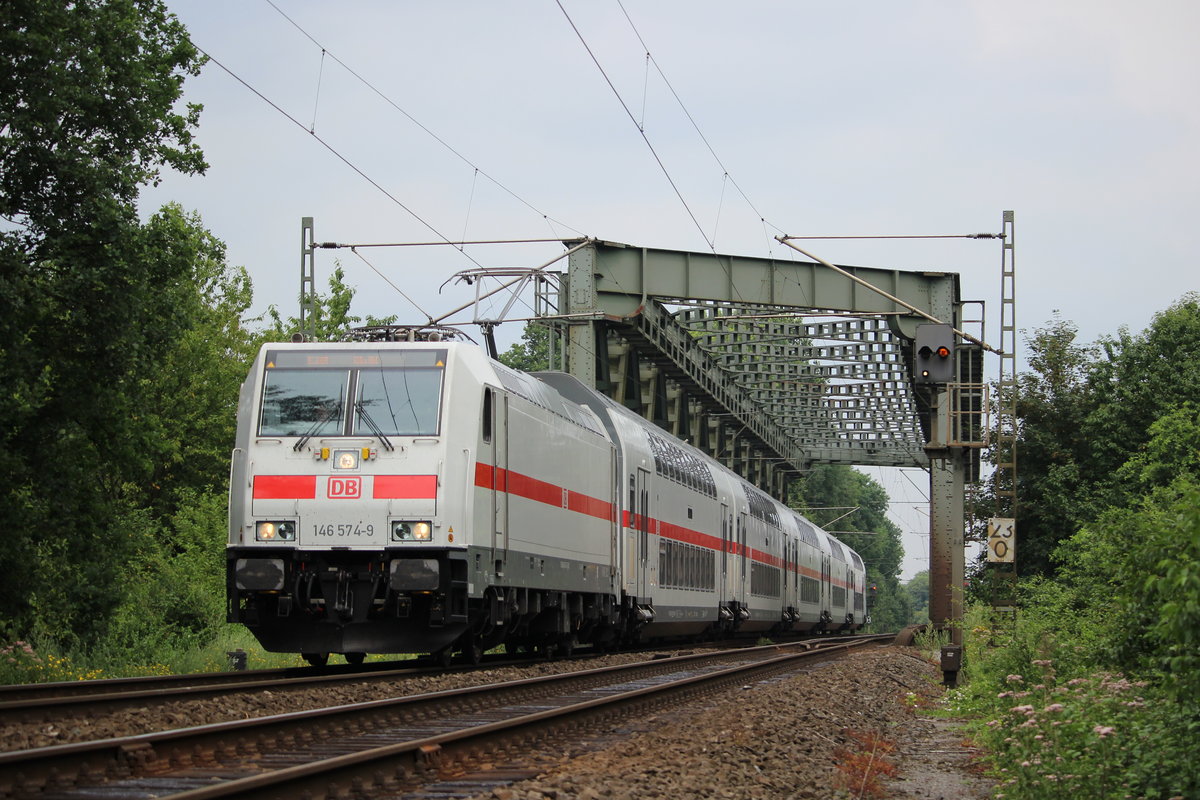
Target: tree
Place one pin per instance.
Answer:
(1084, 411)
(1144, 378)
(87, 115)
(188, 400)
(917, 590)
(1052, 450)
(532, 353)
(87, 110)
(331, 318)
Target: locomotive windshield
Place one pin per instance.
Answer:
(352, 393)
(402, 402)
(303, 402)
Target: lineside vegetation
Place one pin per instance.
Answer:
(1095, 692)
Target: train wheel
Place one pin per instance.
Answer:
(355, 658)
(566, 646)
(316, 659)
(473, 649)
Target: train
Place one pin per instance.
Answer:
(418, 496)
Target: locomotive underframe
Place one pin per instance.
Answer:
(404, 600)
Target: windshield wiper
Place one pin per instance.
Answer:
(316, 426)
(375, 429)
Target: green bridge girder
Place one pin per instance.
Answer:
(770, 365)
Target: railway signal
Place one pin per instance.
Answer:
(934, 361)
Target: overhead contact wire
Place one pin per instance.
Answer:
(424, 128)
(666, 173)
(317, 99)
(334, 151)
(389, 283)
(692, 120)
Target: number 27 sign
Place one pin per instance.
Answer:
(1002, 539)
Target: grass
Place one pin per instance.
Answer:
(21, 662)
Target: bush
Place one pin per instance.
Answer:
(174, 597)
(1159, 585)
(1102, 736)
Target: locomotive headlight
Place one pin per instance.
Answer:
(411, 531)
(345, 459)
(275, 531)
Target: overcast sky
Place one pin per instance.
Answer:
(490, 120)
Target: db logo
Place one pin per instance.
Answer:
(344, 488)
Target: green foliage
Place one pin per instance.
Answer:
(1052, 452)
(87, 109)
(187, 406)
(1086, 410)
(1120, 590)
(87, 95)
(1096, 736)
(532, 353)
(173, 598)
(331, 319)
(917, 590)
(1156, 577)
(130, 566)
(1057, 718)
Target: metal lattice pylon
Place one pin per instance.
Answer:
(1003, 576)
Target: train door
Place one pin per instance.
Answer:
(826, 582)
(614, 555)
(643, 532)
(789, 565)
(724, 590)
(744, 557)
(851, 591)
(500, 498)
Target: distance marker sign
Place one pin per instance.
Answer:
(1002, 540)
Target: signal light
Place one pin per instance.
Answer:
(934, 351)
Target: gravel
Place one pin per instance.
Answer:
(806, 735)
(785, 739)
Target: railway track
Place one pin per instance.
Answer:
(383, 748)
(50, 701)
(35, 702)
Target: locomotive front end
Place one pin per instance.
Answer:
(339, 538)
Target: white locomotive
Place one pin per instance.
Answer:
(419, 497)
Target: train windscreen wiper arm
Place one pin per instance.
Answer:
(316, 426)
(375, 429)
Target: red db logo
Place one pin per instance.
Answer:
(344, 488)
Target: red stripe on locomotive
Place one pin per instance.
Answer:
(405, 487)
(285, 487)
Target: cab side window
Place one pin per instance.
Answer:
(487, 415)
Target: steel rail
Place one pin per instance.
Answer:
(57, 700)
(33, 772)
